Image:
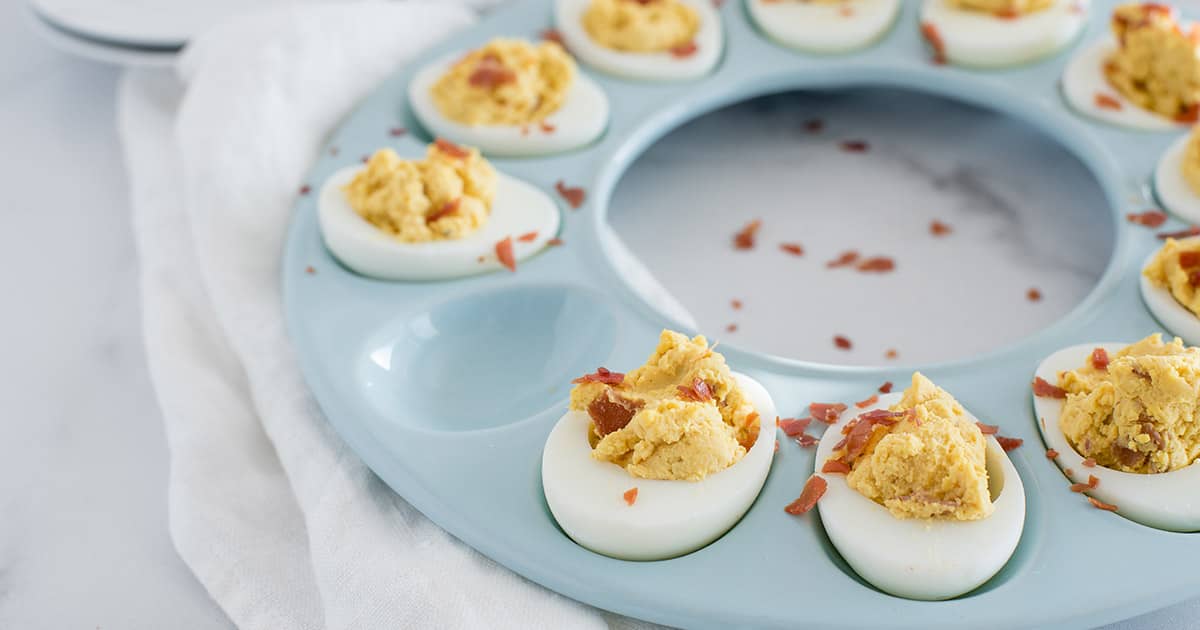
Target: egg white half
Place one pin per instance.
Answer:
(669, 518)
(1084, 78)
(580, 120)
(1171, 188)
(660, 66)
(979, 39)
(921, 559)
(825, 28)
(1165, 500)
(518, 209)
(1166, 309)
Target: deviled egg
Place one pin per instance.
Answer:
(663, 460)
(920, 502)
(1123, 421)
(1177, 177)
(448, 215)
(824, 26)
(510, 97)
(997, 33)
(658, 40)
(1146, 76)
(1170, 285)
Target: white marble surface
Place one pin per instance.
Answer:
(83, 467)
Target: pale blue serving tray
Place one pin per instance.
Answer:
(447, 390)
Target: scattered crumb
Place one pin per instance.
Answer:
(842, 342)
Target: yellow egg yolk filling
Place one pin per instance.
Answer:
(681, 416)
(445, 196)
(1003, 8)
(931, 464)
(641, 26)
(1157, 65)
(1176, 267)
(1138, 413)
(507, 82)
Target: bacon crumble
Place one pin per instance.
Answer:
(813, 490)
(1008, 443)
(1105, 101)
(987, 429)
(842, 342)
(1051, 453)
(573, 195)
(491, 73)
(698, 391)
(844, 259)
(684, 51)
(305, 189)
(863, 404)
(814, 125)
(612, 412)
(601, 375)
(795, 249)
(630, 496)
(1033, 295)
(877, 264)
(828, 413)
(1044, 389)
(1147, 218)
(937, 228)
(934, 37)
(1099, 359)
(744, 238)
(855, 146)
(1089, 463)
(504, 253)
(1100, 505)
(794, 426)
(886, 388)
(835, 466)
(450, 149)
(447, 209)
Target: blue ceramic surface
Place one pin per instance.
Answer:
(447, 390)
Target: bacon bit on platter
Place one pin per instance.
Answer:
(611, 412)
(1188, 260)
(813, 490)
(805, 440)
(1147, 218)
(305, 189)
(698, 391)
(683, 51)
(1089, 463)
(554, 242)
(1044, 389)
(1093, 481)
(1104, 101)
(877, 264)
(1008, 443)
(731, 328)
(835, 466)
(1190, 115)
(601, 375)
(744, 238)
(863, 404)
(504, 253)
(1100, 505)
(573, 195)
(886, 388)
(528, 237)
(395, 132)
(937, 228)
(987, 429)
(1079, 487)
(1070, 472)
(447, 209)
(855, 146)
(1007, 14)
(891, 354)
(1051, 453)
(310, 270)
(794, 426)
(491, 73)
(546, 127)
(553, 35)
(844, 259)
(1185, 233)
(934, 37)
(1100, 359)
(450, 149)
(794, 249)
(814, 125)
(842, 342)
(1033, 295)
(630, 496)
(736, 304)
(858, 431)
(828, 413)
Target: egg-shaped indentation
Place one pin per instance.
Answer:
(1166, 501)
(1175, 317)
(485, 359)
(822, 27)
(919, 559)
(1172, 190)
(1088, 92)
(657, 66)
(986, 40)
(668, 518)
(519, 210)
(580, 120)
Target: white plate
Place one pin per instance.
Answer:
(96, 51)
(163, 23)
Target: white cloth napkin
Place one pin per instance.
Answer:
(281, 523)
